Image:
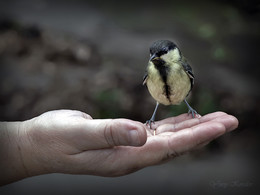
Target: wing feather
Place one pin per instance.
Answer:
(145, 78)
(188, 70)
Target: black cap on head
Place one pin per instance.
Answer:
(161, 47)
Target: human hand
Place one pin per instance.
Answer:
(66, 141)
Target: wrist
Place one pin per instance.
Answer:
(19, 159)
(30, 154)
(12, 166)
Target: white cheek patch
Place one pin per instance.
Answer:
(172, 56)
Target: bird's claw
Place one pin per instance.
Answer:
(150, 122)
(192, 112)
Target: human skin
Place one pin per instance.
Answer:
(68, 141)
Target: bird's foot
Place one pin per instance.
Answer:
(193, 112)
(149, 123)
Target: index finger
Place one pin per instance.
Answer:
(172, 120)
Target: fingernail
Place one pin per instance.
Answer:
(232, 123)
(134, 139)
(198, 116)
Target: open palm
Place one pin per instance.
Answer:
(69, 141)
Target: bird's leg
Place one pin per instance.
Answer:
(191, 110)
(153, 117)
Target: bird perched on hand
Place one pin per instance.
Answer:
(168, 77)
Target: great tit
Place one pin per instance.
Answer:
(169, 77)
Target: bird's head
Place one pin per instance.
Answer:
(164, 51)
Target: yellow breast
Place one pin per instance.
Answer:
(177, 80)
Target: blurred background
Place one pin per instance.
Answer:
(90, 55)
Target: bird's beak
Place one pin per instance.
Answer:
(156, 60)
(153, 57)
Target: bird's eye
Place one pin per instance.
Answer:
(162, 52)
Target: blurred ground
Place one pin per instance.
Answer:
(91, 56)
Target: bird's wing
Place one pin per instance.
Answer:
(188, 70)
(145, 78)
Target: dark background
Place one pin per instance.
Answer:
(91, 56)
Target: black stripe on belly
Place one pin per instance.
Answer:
(167, 91)
(163, 70)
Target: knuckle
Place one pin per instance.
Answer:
(109, 134)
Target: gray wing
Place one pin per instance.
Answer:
(188, 70)
(145, 78)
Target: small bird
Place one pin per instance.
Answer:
(169, 77)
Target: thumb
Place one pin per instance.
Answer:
(117, 132)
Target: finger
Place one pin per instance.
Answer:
(66, 113)
(85, 115)
(177, 126)
(201, 145)
(97, 134)
(229, 121)
(213, 115)
(186, 140)
(161, 148)
(184, 117)
(156, 150)
(172, 120)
